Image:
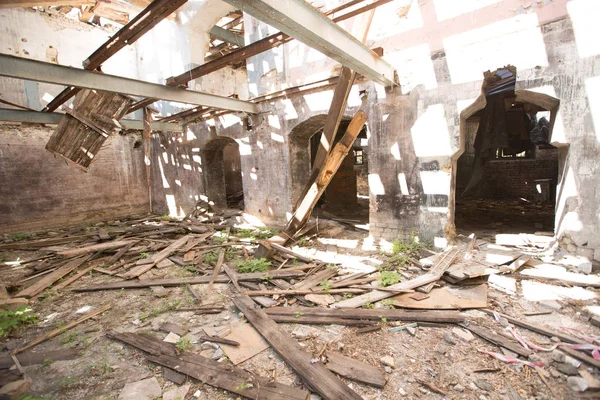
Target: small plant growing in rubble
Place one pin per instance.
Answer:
(369, 305)
(388, 303)
(326, 285)
(183, 344)
(17, 237)
(387, 278)
(303, 241)
(211, 257)
(144, 255)
(11, 321)
(265, 233)
(257, 265)
(383, 321)
(220, 240)
(299, 314)
(245, 233)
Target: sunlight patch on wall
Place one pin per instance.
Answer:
(395, 150)
(517, 41)
(277, 137)
(435, 182)
(289, 111)
(228, 120)
(319, 101)
(462, 104)
(430, 133)
(375, 185)
(592, 87)
(584, 16)
(414, 67)
(244, 146)
(445, 9)
(403, 184)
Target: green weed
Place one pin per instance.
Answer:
(326, 285)
(387, 278)
(12, 320)
(183, 344)
(47, 362)
(211, 257)
(17, 237)
(256, 265)
(144, 255)
(299, 314)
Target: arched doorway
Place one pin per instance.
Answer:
(223, 173)
(513, 190)
(347, 195)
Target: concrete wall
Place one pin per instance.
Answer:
(39, 191)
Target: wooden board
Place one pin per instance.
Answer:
(434, 274)
(210, 372)
(446, 298)
(31, 358)
(368, 314)
(81, 134)
(251, 276)
(355, 370)
(498, 340)
(94, 248)
(143, 266)
(251, 343)
(316, 375)
(43, 283)
(315, 279)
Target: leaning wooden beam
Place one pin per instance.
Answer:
(248, 277)
(434, 274)
(60, 330)
(316, 375)
(369, 314)
(301, 291)
(320, 182)
(219, 263)
(136, 28)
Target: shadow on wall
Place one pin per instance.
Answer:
(177, 174)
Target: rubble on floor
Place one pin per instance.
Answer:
(123, 309)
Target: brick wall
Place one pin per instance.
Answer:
(38, 191)
(503, 179)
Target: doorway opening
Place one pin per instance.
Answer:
(223, 173)
(506, 178)
(347, 195)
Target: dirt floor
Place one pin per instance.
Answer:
(452, 362)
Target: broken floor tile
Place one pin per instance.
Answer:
(177, 393)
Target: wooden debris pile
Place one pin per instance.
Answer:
(274, 285)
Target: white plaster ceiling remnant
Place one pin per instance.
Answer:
(200, 16)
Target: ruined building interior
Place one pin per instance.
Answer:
(299, 199)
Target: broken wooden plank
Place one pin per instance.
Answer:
(250, 341)
(535, 328)
(369, 314)
(315, 375)
(498, 340)
(301, 319)
(30, 358)
(315, 279)
(290, 252)
(58, 331)
(432, 275)
(446, 298)
(233, 276)
(8, 304)
(211, 372)
(322, 177)
(580, 356)
(94, 248)
(219, 263)
(174, 376)
(78, 275)
(355, 370)
(253, 293)
(117, 256)
(144, 266)
(252, 276)
(45, 282)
